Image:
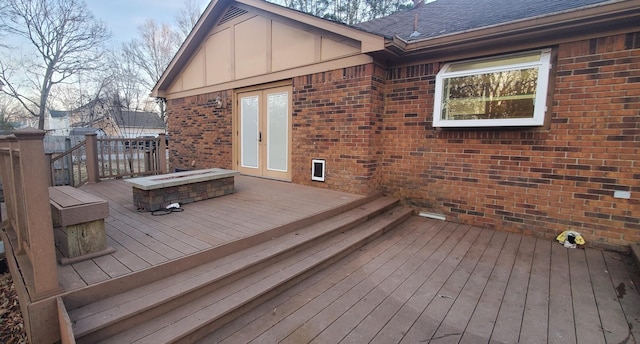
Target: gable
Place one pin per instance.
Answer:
(249, 45)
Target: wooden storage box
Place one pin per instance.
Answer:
(78, 220)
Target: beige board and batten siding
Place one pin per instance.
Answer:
(252, 45)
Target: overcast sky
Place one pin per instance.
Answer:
(123, 16)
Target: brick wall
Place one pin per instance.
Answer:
(374, 129)
(337, 117)
(200, 133)
(538, 181)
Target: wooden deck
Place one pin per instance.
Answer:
(435, 282)
(142, 240)
(427, 281)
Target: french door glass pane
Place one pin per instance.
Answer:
(249, 131)
(277, 131)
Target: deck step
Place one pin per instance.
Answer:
(190, 304)
(196, 319)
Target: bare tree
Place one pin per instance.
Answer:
(11, 113)
(187, 17)
(348, 11)
(3, 9)
(152, 52)
(381, 8)
(124, 90)
(318, 8)
(65, 37)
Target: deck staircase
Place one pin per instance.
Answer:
(183, 301)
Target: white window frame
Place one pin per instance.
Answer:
(540, 103)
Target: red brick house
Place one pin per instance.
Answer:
(514, 115)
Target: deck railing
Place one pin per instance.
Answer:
(70, 168)
(106, 158)
(28, 224)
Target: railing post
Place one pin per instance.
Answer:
(92, 157)
(41, 245)
(17, 215)
(67, 163)
(162, 153)
(52, 170)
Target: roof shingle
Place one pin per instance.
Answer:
(443, 17)
(137, 119)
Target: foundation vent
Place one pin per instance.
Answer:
(318, 170)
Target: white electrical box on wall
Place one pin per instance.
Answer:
(318, 170)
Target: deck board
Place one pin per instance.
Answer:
(437, 282)
(111, 266)
(455, 269)
(478, 281)
(69, 278)
(334, 278)
(382, 276)
(536, 311)
(142, 240)
(431, 266)
(90, 272)
(400, 286)
(482, 319)
(509, 320)
(434, 287)
(126, 257)
(561, 320)
(425, 281)
(316, 303)
(626, 289)
(585, 311)
(609, 309)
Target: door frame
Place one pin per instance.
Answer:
(262, 171)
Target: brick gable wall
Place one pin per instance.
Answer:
(537, 181)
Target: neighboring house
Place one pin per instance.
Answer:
(84, 131)
(128, 124)
(88, 113)
(105, 124)
(78, 135)
(56, 122)
(136, 123)
(515, 115)
(27, 122)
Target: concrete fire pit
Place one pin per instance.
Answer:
(156, 192)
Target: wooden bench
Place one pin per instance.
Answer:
(78, 220)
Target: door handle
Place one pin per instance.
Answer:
(260, 136)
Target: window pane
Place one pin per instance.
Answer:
(249, 131)
(507, 94)
(278, 131)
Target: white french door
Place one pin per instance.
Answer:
(264, 133)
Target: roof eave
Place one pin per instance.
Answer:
(188, 47)
(553, 29)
